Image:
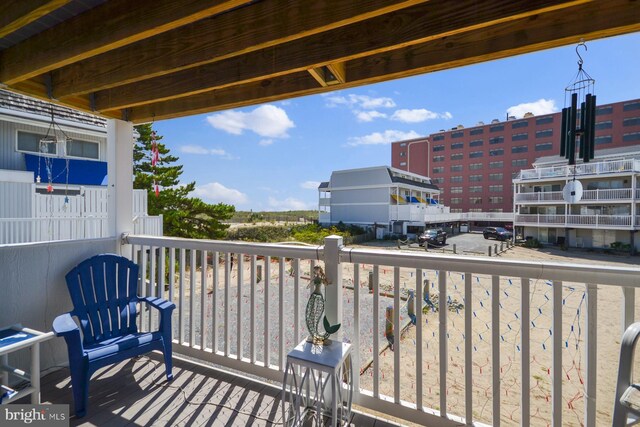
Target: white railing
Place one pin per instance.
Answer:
(597, 168)
(149, 225)
(91, 202)
(24, 230)
(470, 216)
(622, 194)
(587, 221)
(517, 344)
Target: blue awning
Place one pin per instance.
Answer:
(81, 172)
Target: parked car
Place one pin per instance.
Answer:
(433, 236)
(497, 233)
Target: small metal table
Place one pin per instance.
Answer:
(314, 378)
(15, 338)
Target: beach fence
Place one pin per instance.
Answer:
(495, 342)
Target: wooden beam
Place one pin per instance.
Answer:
(414, 25)
(237, 32)
(15, 14)
(513, 38)
(112, 24)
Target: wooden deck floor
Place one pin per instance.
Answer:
(136, 393)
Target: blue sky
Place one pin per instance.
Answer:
(272, 156)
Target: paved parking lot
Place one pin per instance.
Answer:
(472, 242)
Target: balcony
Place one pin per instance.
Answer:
(582, 170)
(555, 197)
(622, 222)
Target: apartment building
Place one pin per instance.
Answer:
(606, 212)
(474, 167)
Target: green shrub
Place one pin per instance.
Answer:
(532, 243)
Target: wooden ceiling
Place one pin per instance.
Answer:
(157, 59)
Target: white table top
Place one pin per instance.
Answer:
(329, 356)
(16, 337)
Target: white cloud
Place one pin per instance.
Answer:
(418, 115)
(310, 185)
(289, 204)
(360, 101)
(218, 193)
(539, 107)
(368, 116)
(197, 149)
(265, 142)
(386, 137)
(267, 121)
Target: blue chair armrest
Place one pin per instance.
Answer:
(64, 326)
(165, 308)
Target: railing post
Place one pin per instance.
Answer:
(591, 353)
(333, 271)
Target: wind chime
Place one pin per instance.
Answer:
(582, 134)
(155, 157)
(55, 137)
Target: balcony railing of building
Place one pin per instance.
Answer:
(511, 328)
(582, 221)
(566, 171)
(618, 194)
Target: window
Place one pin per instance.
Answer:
(457, 156)
(475, 189)
(403, 163)
(495, 200)
(628, 106)
(439, 180)
(477, 131)
(437, 137)
(604, 125)
(495, 210)
(520, 136)
(438, 159)
(475, 210)
(606, 139)
(519, 162)
(520, 124)
(403, 144)
(476, 143)
(544, 120)
(604, 110)
(631, 121)
(496, 128)
(85, 149)
(439, 169)
(456, 210)
(544, 133)
(496, 165)
(456, 168)
(475, 154)
(496, 152)
(455, 190)
(475, 178)
(496, 140)
(475, 200)
(403, 153)
(495, 188)
(457, 145)
(459, 134)
(475, 166)
(495, 177)
(520, 149)
(456, 200)
(31, 142)
(545, 146)
(438, 148)
(631, 137)
(456, 179)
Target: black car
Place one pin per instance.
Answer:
(497, 233)
(433, 236)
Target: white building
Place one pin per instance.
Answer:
(394, 200)
(606, 215)
(57, 190)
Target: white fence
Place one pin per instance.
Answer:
(517, 344)
(90, 202)
(581, 221)
(620, 194)
(596, 168)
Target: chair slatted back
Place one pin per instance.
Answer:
(103, 290)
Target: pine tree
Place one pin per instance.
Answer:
(183, 216)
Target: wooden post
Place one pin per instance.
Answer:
(489, 250)
(411, 306)
(454, 249)
(371, 282)
(501, 246)
(388, 329)
(259, 274)
(495, 248)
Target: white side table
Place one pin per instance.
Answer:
(16, 338)
(313, 377)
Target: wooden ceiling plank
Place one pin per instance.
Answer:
(91, 33)
(514, 38)
(15, 14)
(237, 32)
(414, 25)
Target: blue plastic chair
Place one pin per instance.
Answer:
(103, 290)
